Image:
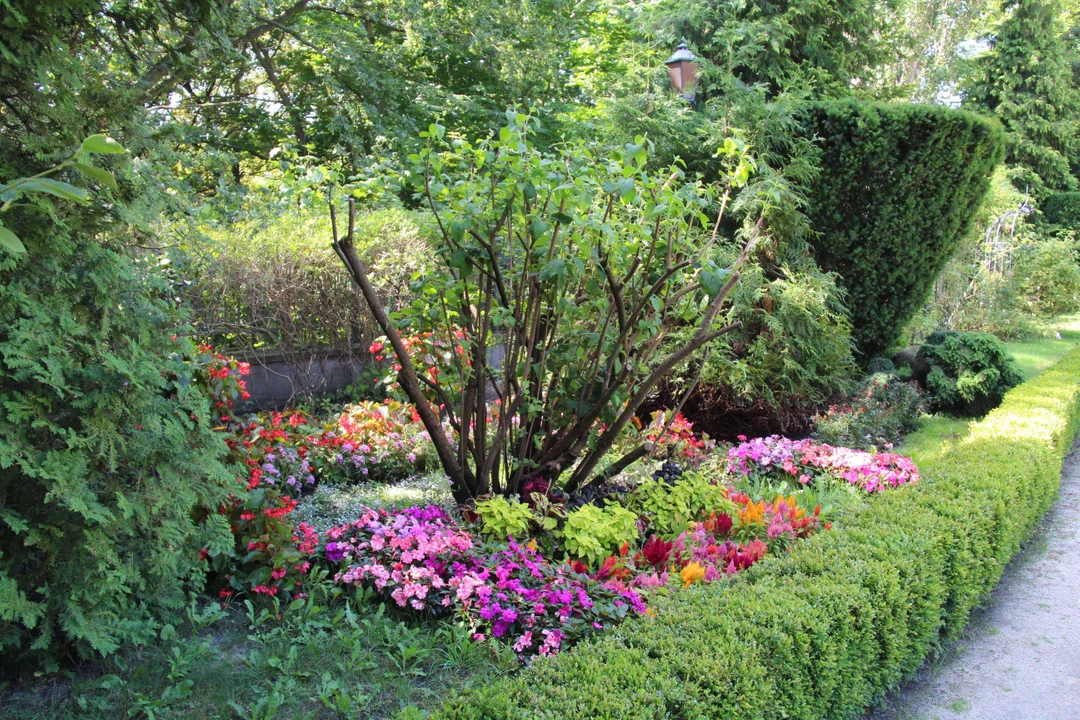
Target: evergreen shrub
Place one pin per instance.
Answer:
(1063, 209)
(965, 374)
(899, 186)
(822, 630)
(106, 446)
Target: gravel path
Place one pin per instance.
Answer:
(1019, 659)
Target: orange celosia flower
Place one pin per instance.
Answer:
(692, 573)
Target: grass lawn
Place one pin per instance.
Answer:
(1034, 356)
(939, 432)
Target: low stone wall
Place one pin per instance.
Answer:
(276, 381)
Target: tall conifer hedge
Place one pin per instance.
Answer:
(898, 188)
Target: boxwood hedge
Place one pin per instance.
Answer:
(825, 629)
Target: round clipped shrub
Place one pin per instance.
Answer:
(880, 365)
(966, 374)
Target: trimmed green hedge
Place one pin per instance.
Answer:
(824, 630)
(898, 188)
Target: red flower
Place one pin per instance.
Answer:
(656, 551)
(718, 524)
(612, 569)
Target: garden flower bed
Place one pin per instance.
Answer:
(822, 630)
(582, 570)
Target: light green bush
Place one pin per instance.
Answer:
(819, 632)
(1047, 276)
(670, 508)
(592, 533)
(504, 518)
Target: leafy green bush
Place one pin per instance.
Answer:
(105, 444)
(883, 410)
(898, 188)
(1063, 209)
(965, 374)
(1047, 277)
(793, 353)
(824, 629)
(795, 342)
(502, 518)
(669, 508)
(592, 533)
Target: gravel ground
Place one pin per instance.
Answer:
(1019, 659)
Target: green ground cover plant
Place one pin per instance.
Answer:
(825, 629)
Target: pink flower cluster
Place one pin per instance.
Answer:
(422, 561)
(805, 460)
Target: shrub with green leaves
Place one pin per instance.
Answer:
(824, 629)
(670, 507)
(898, 189)
(965, 374)
(1046, 276)
(1063, 209)
(880, 413)
(592, 533)
(504, 518)
(106, 444)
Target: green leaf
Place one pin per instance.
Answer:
(714, 281)
(554, 269)
(627, 190)
(459, 259)
(102, 176)
(101, 145)
(539, 228)
(457, 230)
(58, 188)
(11, 242)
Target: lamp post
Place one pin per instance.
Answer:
(683, 71)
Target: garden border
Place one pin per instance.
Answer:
(827, 628)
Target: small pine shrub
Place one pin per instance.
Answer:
(966, 374)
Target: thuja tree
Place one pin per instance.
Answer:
(560, 277)
(106, 443)
(1026, 81)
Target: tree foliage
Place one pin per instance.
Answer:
(1026, 81)
(825, 45)
(571, 270)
